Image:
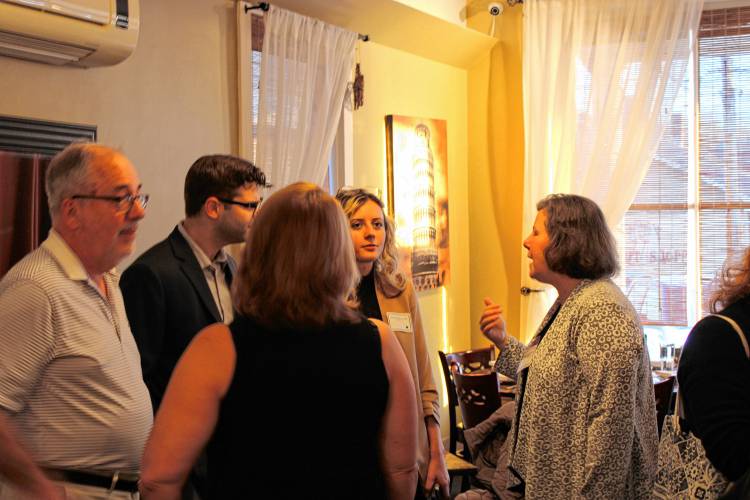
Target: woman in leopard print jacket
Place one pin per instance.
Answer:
(585, 424)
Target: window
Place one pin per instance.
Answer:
(340, 161)
(693, 209)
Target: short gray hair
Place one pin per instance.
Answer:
(69, 173)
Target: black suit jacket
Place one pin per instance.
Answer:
(167, 301)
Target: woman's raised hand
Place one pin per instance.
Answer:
(492, 323)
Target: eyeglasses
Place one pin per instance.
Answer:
(124, 203)
(248, 205)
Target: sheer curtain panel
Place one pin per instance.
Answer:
(305, 68)
(600, 78)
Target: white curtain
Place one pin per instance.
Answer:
(305, 67)
(599, 82)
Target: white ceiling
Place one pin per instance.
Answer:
(396, 25)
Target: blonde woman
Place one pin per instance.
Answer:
(301, 396)
(385, 294)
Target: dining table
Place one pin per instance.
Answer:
(662, 375)
(506, 386)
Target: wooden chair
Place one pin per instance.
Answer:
(455, 429)
(458, 467)
(477, 395)
(663, 397)
(463, 362)
(473, 360)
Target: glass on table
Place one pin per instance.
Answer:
(666, 356)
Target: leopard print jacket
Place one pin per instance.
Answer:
(585, 425)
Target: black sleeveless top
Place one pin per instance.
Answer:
(302, 415)
(368, 298)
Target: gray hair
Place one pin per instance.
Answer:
(69, 173)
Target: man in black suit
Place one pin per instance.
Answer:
(181, 284)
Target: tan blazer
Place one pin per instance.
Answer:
(415, 348)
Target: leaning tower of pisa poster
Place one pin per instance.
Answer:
(416, 150)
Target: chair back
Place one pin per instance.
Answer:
(460, 362)
(663, 397)
(472, 360)
(478, 396)
(450, 388)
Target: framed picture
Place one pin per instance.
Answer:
(417, 156)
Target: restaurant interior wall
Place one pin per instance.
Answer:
(496, 159)
(397, 82)
(173, 100)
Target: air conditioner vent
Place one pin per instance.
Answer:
(46, 51)
(69, 32)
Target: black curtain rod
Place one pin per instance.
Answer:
(262, 6)
(265, 5)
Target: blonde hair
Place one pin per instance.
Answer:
(388, 277)
(734, 283)
(298, 267)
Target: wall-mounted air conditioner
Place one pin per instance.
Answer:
(69, 32)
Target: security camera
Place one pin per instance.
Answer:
(495, 9)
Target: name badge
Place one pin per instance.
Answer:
(400, 322)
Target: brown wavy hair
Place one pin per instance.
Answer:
(581, 245)
(734, 282)
(388, 277)
(298, 268)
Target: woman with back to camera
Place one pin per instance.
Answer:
(585, 424)
(301, 396)
(714, 374)
(385, 293)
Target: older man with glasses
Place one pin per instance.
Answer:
(182, 284)
(70, 378)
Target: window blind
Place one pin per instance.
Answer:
(258, 31)
(724, 124)
(657, 226)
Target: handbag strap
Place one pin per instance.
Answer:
(738, 330)
(677, 406)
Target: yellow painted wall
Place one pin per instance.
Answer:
(400, 83)
(496, 158)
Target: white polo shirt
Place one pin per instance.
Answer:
(70, 372)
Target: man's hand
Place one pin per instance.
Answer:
(17, 467)
(492, 323)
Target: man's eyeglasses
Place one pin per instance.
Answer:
(248, 205)
(124, 203)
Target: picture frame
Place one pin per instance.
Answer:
(417, 176)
